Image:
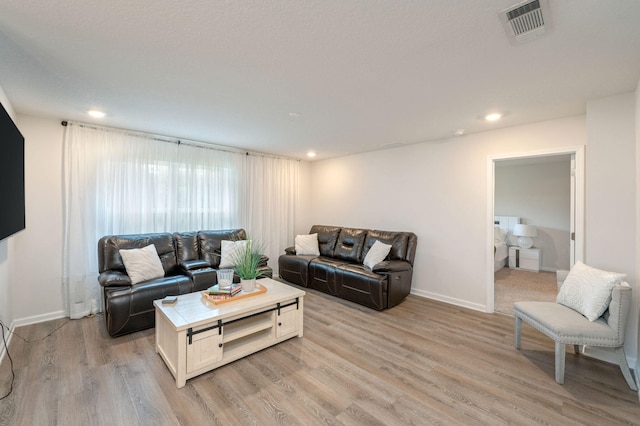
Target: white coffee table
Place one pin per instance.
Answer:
(195, 336)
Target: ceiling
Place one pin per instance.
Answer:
(288, 76)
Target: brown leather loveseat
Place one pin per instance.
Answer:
(189, 260)
(339, 271)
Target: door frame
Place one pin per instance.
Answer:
(577, 221)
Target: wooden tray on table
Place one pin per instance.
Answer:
(260, 289)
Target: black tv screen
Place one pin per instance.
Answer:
(12, 204)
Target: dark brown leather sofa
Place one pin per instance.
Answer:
(339, 270)
(189, 260)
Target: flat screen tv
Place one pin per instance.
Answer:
(12, 204)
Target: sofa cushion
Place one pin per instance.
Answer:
(350, 245)
(397, 240)
(210, 243)
(186, 246)
(142, 264)
(230, 252)
(307, 245)
(376, 254)
(327, 238)
(109, 250)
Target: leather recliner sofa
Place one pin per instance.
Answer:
(339, 270)
(189, 260)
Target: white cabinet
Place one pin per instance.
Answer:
(205, 349)
(287, 321)
(527, 259)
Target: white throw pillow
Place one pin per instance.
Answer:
(230, 252)
(376, 254)
(307, 245)
(142, 264)
(588, 290)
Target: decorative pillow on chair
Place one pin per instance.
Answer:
(588, 290)
(230, 251)
(142, 264)
(307, 245)
(376, 254)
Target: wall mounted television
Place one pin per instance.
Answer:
(12, 202)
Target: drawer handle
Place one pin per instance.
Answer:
(219, 345)
(279, 324)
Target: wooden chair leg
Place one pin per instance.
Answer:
(622, 361)
(560, 355)
(517, 330)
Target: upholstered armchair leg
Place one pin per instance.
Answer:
(517, 329)
(622, 360)
(560, 355)
(576, 348)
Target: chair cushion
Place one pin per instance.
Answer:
(588, 290)
(565, 325)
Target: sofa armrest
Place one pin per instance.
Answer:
(290, 250)
(114, 279)
(190, 265)
(392, 266)
(263, 261)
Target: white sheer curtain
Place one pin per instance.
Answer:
(122, 182)
(268, 202)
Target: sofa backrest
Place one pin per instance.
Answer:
(403, 244)
(186, 246)
(109, 250)
(327, 238)
(210, 243)
(350, 245)
(353, 244)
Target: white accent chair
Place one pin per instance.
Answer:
(568, 327)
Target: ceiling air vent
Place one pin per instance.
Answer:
(526, 20)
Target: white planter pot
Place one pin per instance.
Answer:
(248, 285)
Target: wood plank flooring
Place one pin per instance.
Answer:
(422, 362)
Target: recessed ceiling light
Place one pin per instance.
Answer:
(95, 113)
(295, 115)
(459, 132)
(311, 154)
(493, 116)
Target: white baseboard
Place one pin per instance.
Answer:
(27, 321)
(636, 372)
(39, 318)
(8, 335)
(450, 300)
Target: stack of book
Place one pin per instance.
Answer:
(217, 293)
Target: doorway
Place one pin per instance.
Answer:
(576, 212)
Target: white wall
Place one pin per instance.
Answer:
(540, 195)
(437, 190)
(611, 195)
(36, 256)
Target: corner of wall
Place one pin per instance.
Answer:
(6, 313)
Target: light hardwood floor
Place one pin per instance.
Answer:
(422, 362)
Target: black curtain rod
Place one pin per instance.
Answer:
(203, 145)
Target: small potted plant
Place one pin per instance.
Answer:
(247, 262)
